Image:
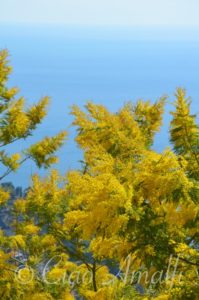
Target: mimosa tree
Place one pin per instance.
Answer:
(18, 122)
(124, 226)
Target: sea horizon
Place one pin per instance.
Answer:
(108, 65)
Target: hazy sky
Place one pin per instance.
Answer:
(102, 12)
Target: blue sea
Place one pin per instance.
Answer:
(106, 65)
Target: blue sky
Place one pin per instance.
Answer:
(102, 12)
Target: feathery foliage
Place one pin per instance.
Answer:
(125, 226)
